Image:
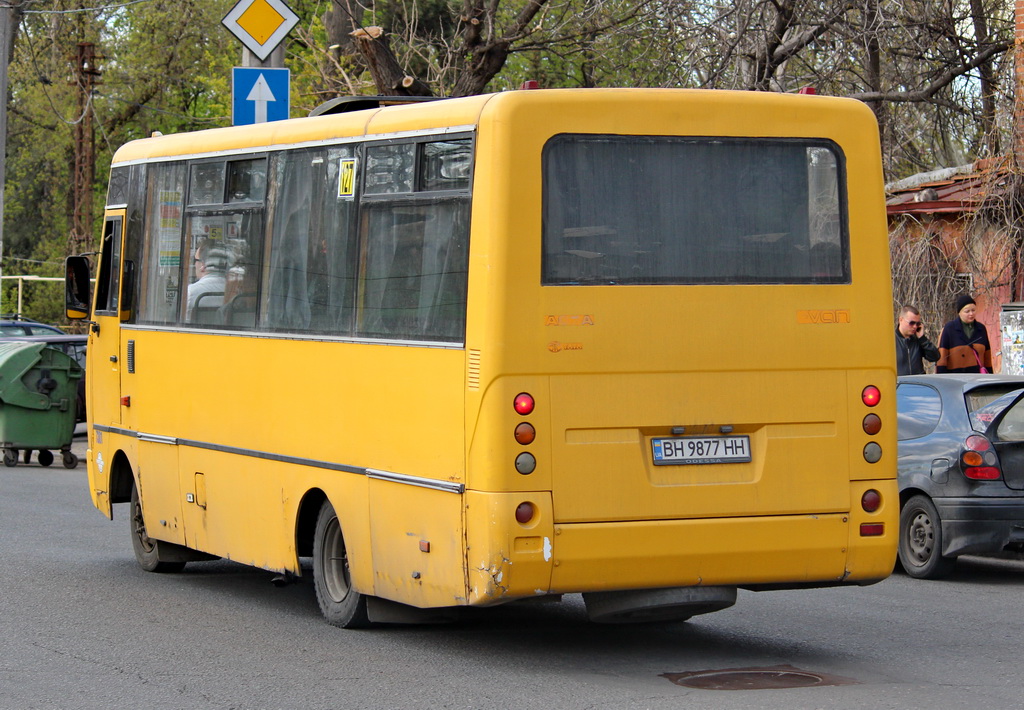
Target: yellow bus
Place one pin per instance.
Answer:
(629, 343)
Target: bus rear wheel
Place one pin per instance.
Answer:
(147, 550)
(341, 605)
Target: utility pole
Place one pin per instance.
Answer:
(6, 38)
(86, 77)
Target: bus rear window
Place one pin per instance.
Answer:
(671, 210)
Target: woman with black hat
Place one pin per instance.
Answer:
(963, 345)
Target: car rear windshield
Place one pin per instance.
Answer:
(984, 404)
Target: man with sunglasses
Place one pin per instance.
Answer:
(911, 343)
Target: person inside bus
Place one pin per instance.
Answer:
(912, 344)
(210, 262)
(964, 345)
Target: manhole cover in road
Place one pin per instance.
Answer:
(755, 678)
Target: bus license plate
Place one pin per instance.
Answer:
(700, 450)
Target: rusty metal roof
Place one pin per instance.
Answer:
(954, 190)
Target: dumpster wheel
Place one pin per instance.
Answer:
(69, 460)
(10, 458)
(44, 457)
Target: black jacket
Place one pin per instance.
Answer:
(909, 352)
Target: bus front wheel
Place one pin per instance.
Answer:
(147, 550)
(341, 605)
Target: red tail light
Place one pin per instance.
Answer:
(982, 473)
(525, 512)
(523, 403)
(871, 501)
(871, 395)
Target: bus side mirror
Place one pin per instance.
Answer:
(76, 287)
(127, 290)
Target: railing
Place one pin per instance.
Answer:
(21, 282)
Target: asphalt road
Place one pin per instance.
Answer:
(82, 627)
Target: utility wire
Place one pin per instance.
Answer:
(12, 6)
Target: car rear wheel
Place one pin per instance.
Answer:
(920, 547)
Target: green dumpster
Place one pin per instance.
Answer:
(38, 386)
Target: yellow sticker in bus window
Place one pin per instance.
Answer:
(347, 178)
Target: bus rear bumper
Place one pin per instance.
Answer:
(794, 550)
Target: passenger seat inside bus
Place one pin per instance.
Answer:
(207, 308)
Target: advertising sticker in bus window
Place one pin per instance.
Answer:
(170, 227)
(347, 178)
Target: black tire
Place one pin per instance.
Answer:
(341, 605)
(69, 460)
(44, 457)
(10, 458)
(920, 547)
(147, 550)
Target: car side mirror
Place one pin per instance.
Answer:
(76, 287)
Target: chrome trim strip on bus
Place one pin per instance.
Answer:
(268, 456)
(157, 439)
(312, 337)
(362, 138)
(113, 430)
(431, 483)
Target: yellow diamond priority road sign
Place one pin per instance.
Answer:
(260, 24)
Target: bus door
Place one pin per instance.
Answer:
(103, 377)
(103, 364)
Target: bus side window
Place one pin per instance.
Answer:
(310, 276)
(160, 273)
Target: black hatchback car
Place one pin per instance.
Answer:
(961, 469)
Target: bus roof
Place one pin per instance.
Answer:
(457, 113)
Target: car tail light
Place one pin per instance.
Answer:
(982, 473)
(978, 443)
(978, 459)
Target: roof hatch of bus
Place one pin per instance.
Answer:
(347, 104)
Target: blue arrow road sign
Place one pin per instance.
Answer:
(258, 95)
